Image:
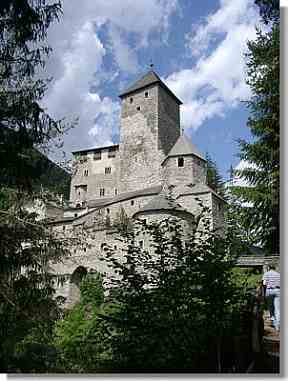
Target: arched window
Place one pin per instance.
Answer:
(75, 281)
(78, 275)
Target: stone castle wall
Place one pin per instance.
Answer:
(96, 177)
(168, 122)
(139, 166)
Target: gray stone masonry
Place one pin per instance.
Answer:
(192, 172)
(147, 134)
(91, 174)
(143, 169)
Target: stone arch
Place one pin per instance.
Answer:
(75, 280)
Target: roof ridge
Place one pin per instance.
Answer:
(184, 146)
(149, 78)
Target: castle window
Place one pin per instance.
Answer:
(75, 215)
(86, 172)
(138, 108)
(107, 170)
(131, 100)
(116, 191)
(108, 210)
(132, 202)
(146, 94)
(180, 161)
(102, 192)
(141, 244)
(63, 228)
(112, 152)
(115, 247)
(84, 249)
(97, 155)
(219, 206)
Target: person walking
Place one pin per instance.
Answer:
(271, 282)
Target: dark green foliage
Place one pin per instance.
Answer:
(214, 179)
(177, 302)
(48, 175)
(269, 10)
(27, 247)
(82, 338)
(26, 287)
(41, 173)
(23, 122)
(264, 79)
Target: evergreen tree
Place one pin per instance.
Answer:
(263, 153)
(214, 179)
(27, 246)
(177, 300)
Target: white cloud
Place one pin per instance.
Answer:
(239, 181)
(125, 56)
(77, 60)
(216, 83)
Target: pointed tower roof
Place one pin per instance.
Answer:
(184, 146)
(148, 79)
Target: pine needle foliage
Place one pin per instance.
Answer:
(263, 77)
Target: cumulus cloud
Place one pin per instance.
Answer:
(216, 83)
(77, 61)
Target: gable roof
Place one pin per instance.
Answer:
(200, 189)
(184, 146)
(161, 202)
(148, 79)
(103, 202)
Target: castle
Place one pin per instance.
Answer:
(134, 177)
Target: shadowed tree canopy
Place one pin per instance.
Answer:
(263, 77)
(27, 247)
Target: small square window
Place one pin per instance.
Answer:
(97, 155)
(131, 100)
(107, 170)
(138, 108)
(180, 162)
(75, 215)
(146, 94)
(112, 152)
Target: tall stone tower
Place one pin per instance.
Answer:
(150, 126)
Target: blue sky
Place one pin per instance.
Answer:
(197, 47)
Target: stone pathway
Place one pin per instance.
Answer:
(271, 338)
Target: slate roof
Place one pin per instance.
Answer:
(100, 202)
(161, 202)
(148, 79)
(95, 149)
(184, 146)
(200, 189)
